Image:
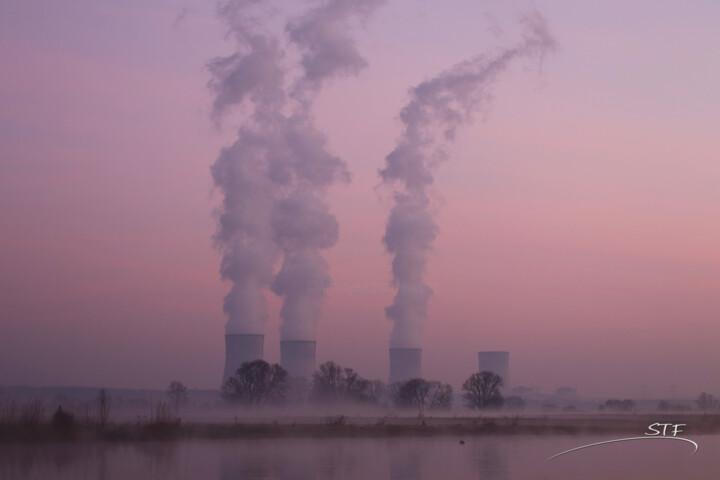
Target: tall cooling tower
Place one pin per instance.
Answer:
(240, 349)
(496, 362)
(405, 363)
(298, 357)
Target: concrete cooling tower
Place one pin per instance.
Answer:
(496, 362)
(240, 349)
(298, 357)
(405, 363)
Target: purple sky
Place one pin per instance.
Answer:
(578, 222)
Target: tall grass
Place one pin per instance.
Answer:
(9, 413)
(163, 414)
(32, 414)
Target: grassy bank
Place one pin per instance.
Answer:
(342, 426)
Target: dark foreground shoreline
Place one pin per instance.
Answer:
(369, 427)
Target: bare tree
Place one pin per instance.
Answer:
(482, 390)
(177, 392)
(422, 394)
(377, 391)
(257, 383)
(411, 394)
(440, 396)
(334, 384)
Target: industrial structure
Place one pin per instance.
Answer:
(496, 362)
(240, 348)
(297, 357)
(405, 363)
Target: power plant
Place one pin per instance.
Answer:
(298, 357)
(405, 363)
(496, 362)
(240, 348)
(275, 176)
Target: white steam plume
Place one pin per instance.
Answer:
(252, 76)
(302, 221)
(275, 175)
(436, 109)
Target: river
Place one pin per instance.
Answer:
(503, 457)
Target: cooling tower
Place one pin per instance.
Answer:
(298, 357)
(496, 362)
(405, 363)
(240, 349)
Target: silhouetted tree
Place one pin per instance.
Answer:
(707, 402)
(422, 394)
(257, 383)
(441, 395)
(410, 393)
(178, 394)
(482, 390)
(377, 391)
(334, 384)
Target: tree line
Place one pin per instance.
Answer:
(260, 383)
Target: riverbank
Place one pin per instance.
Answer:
(345, 426)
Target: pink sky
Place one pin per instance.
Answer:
(578, 223)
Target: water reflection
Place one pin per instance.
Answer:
(298, 467)
(26, 461)
(250, 462)
(479, 458)
(405, 461)
(492, 459)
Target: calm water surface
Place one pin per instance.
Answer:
(500, 457)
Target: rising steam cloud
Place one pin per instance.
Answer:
(275, 175)
(436, 109)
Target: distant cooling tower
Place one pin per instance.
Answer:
(240, 349)
(298, 357)
(496, 362)
(405, 363)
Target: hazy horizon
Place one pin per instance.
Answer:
(577, 217)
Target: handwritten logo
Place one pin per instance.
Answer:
(652, 434)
